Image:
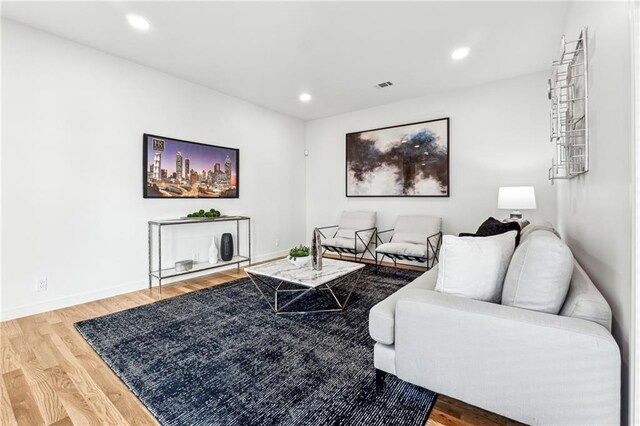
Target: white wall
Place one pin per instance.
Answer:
(634, 355)
(498, 137)
(595, 209)
(72, 207)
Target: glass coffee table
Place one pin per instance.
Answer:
(335, 274)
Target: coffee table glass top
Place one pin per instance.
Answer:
(284, 270)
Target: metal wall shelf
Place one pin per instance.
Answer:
(569, 96)
(161, 273)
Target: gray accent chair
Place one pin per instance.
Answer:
(354, 235)
(530, 366)
(413, 238)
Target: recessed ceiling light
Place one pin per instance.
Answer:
(138, 22)
(460, 53)
(304, 97)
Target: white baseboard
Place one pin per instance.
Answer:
(66, 301)
(90, 296)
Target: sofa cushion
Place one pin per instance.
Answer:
(493, 226)
(415, 229)
(406, 249)
(475, 267)
(536, 228)
(539, 274)
(382, 316)
(584, 301)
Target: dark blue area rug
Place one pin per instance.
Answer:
(220, 356)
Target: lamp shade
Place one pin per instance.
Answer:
(517, 198)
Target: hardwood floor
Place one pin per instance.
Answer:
(51, 376)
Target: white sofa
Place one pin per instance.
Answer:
(533, 367)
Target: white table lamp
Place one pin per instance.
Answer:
(516, 198)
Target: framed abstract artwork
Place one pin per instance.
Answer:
(173, 168)
(409, 160)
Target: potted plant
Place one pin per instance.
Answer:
(299, 256)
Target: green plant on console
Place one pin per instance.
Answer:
(299, 251)
(201, 213)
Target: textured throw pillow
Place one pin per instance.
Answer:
(475, 267)
(494, 226)
(539, 274)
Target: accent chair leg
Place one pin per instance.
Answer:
(380, 376)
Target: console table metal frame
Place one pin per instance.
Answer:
(161, 274)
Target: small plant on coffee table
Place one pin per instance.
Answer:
(299, 251)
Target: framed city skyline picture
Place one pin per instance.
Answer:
(408, 160)
(174, 168)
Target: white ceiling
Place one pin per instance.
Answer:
(270, 52)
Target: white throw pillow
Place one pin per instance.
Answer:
(474, 267)
(539, 274)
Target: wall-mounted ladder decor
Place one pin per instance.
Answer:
(568, 91)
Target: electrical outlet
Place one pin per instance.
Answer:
(42, 284)
(277, 243)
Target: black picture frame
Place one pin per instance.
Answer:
(445, 177)
(149, 193)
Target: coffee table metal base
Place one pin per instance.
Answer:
(325, 289)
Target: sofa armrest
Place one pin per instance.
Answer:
(382, 316)
(529, 366)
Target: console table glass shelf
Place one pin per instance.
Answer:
(161, 273)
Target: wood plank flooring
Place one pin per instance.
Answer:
(49, 375)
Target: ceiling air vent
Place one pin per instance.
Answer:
(383, 84)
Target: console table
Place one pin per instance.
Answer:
(161, 273)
